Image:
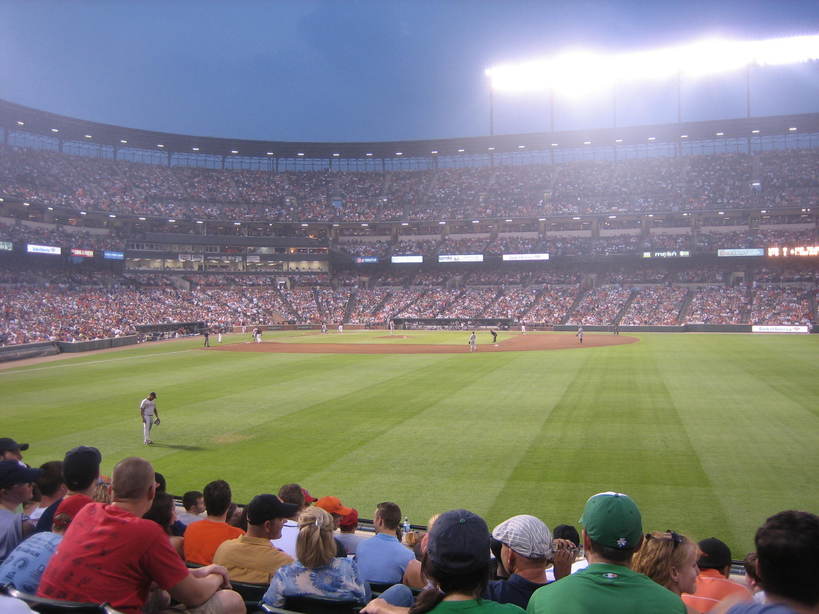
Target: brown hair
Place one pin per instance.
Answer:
(390, 514)
(315, 545)
(292, 493)
(660, 553)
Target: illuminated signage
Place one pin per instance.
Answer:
(43, 249)
(113, 255)
(5, 246)
(752, 251)
(366, 260)
(801, 251)
(669, 254)
(516, 257)
(779, 329)
(406, 259)
(460, 258)
(82, 253)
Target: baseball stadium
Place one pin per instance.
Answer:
(505, 323)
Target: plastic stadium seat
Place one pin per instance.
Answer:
(53, 606)
(317, 605)
(251, 593)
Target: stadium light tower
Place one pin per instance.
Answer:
(578, 72)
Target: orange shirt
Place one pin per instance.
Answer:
(203, 537)
(712, 587)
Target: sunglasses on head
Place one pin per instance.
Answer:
(675, 537)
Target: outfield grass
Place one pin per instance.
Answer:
(709, 433)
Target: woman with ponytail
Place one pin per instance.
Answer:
(456, 564)
(317, 571)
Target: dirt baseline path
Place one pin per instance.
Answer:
(518, 343)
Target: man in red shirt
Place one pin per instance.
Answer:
(110, 553)
(713, 583)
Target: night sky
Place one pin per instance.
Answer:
(349, 70)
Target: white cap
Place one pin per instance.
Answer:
(525, 535)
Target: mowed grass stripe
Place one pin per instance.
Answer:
(614, 428)
(460, 450)
(315, 436)
(755, 434)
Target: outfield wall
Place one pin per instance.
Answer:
(28, 350)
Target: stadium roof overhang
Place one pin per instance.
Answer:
(18, 117)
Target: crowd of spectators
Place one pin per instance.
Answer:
(689, 183)
(75, 304)
(120, 541)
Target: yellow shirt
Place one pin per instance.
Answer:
(250, 559)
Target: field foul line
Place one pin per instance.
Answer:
(91, 362)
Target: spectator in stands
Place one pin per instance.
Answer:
(670, 559)
(526, 550)
(194, 503)
(612, 533)
(81, 471)
(787, 547)
(15, 488)
(294, 495)
(749, 563)
(51, 486)
(204, 537)
(25, 564)
(163, 513)
(11, 450)
(333, 506)
(347, 536)
(713, 583)
(457, 566)
(382, 559)
(252, 557)
(569, 533)
(317, 572)
(134, 553)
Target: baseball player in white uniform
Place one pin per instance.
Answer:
(150, 416)
(473, 342)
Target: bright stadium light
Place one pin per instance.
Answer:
(579, 72)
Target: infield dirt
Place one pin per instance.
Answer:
(518, 343)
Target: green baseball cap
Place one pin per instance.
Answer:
(612, 519)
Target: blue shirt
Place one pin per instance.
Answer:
(760, 608)
(339, 580)
(516, 589)
(27, 562)
(383, 559)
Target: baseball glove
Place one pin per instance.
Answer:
(156, 421)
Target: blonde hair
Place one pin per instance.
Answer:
(660, 552)
(315, 545)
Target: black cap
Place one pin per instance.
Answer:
(715, 554)
(7, 444)
(459, 542)
(267, 507)
(13, 473)
(80, 466)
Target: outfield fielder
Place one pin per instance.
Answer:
(473, 342)
(150, 416)
(580, 334)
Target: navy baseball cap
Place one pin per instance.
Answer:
(7, 444)
(267, 507)
(459, 542)
(13, 473)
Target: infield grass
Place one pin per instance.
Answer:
(709, 433)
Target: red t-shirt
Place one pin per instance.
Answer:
(108, 554)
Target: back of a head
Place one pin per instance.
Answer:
(659, 553)
(217, 496)
(81, 468)
(132, 478)
(526, 535)
(457, 557)
(51, 478)
(292, 493)
(315, 545)
(787, 546)
(390, 515)
(162, 511)
(191, 498)
(614, 526)
(567, 531)
(714, 554)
